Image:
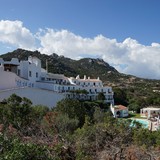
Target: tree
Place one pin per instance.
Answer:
(12, 148)
(39, 111)
(73, 108)
(65, 125)
(120, 96)
(101, 96)
(17, 112)
(136, 104)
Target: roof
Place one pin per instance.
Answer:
(86, 80)
(56, 76)
(10, 64)
(89, 80)
(120, 107)
(151, 108)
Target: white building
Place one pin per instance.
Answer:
(119, 111)
(16, 75)
(150, 112)
(153, 115)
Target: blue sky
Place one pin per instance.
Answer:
(122, 32)
(138, 19)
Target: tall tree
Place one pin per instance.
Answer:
(73, 108)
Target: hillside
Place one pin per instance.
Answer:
(67, 66)
(129, 90)
(86, 66)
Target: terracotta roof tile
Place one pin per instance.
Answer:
(120, 107)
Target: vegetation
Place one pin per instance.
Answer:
(73, 130)
(136, 98)
(78, 130)
(101, 96)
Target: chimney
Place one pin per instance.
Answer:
(47, 65)
(78, 77)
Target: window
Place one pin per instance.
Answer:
(30, 74)
(43, 78)
(36, 74)
(19, 72)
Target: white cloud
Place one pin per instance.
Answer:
(13, 32)
(128, 56)
(143, 61)
(68, 44)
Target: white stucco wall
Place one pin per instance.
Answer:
(125, 113)
(23, 69)
(35, 67)
(7, 80)
(112, 109)
(86, 82)
(45, 85)
(37, 96)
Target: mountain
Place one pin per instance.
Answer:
(69, 67)
(87, 66)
